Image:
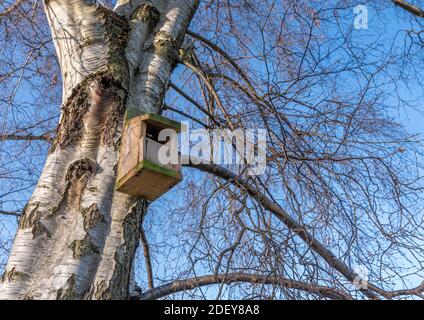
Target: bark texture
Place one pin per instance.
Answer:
(77, 236)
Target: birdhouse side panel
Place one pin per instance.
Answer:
(131, 148)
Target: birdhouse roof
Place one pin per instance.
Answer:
(157, 121)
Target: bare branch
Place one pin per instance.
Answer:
(193, 283)
(166, 107)
(11, 8)
(11, 213)
(409, 7)
(147, 257)
(211, 89)
(29, 137)
(292, 224)
(417, 291)
(222, 53)
(192, 101)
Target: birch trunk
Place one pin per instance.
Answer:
(77, 237)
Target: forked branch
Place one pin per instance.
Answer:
(29, 137)
(292, 224)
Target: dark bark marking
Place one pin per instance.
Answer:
(32, 220)
(70, 129)
(102, 291)
(77, 176)
(99, 95)
(69, 292)
(113, 119)
(13, 275)
(83, 248)
(80, 169)
(117, 34)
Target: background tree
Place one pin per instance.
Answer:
(343, 183)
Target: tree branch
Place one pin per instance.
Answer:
(410, 8)
(29, 137)
(11, 213)
(224, 54)
(417, 291)
(147, 257)
(11, 8)
(167, 107)
(189, 284)
(292, 224)
(194, 102)
(202, 75)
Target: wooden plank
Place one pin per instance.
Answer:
(149, 181)
(157, 121)
(129, 154)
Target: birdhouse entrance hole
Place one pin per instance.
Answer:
(140, 173)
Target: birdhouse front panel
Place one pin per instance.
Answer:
(140, 173)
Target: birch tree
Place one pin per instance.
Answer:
(77, 236)
(343, 183)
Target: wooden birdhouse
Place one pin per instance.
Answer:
(140, 173)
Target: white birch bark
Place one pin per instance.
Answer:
(78, 237)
